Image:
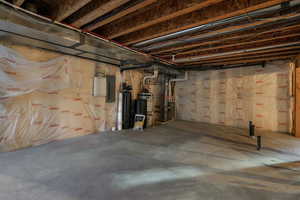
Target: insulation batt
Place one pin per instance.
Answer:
(46, 101)
(233, 97)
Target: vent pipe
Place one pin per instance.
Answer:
(154, 76)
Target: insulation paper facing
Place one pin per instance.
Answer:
(19, 76)
(233, 97)
(42, 102)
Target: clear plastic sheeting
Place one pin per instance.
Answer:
(45, 101)
(234, 97)
(19, 76)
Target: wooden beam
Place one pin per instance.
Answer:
(232, 52)
(98, 11)
(68, 7)
(246, 61)
(208, 15)
(265, 55)
(253, 43)
(284, 49)
(225, 38)
(18, 2)
(182, 48)
(154, 17)
(121, 14)
(231, 29)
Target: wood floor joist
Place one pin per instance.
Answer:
(208, 15)
(100, 9)
(283, 49)
(231, 28)
(232, 52)
(227, 30)
(67, 8)
(239, 45)
(156, 20)
(121, 14)
(255, 55)
(246, 35)
(245, 61)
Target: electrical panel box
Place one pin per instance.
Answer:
(110, 89)
(99, 86)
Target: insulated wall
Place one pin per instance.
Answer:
(234, 97)
(46, 96)
(135, 79)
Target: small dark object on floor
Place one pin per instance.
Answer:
(258, 139)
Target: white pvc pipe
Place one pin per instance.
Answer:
(180, 79)
(176, 80)
(155, 75)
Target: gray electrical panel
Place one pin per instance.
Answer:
(110, 88)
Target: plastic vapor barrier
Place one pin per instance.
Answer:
(45, 101)
(234, 97)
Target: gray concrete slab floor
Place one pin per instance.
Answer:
(180, 160)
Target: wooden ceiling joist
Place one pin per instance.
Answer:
(99, 10)
(232, 52)
(272, 54)
(67, 8)
(269, 33)
(158, 17)
(238, 45)
(284, 49)
(255, 60)
(225, 38)
(121, 14)
(18, 2)
(231, 29)
(208, 15)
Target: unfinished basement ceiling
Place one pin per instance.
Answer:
(26, 28)
(189, 33)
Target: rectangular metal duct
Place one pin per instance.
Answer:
(96, 57)
(15, 21)
(18, 39)
(23, 27)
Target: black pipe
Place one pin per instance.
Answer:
(139, 66)
(177, 41)
(250, 125)
(164, 68)
(219, 67)
(258, 140)
(251, 129)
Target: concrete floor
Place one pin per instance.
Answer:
(180, 160)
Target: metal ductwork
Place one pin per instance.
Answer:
(152, 66)
(274, 9)
(26, 28)
(197, 58)
(204, 26)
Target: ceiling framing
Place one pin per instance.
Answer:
(187, 32)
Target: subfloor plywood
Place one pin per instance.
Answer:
(180, 160)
